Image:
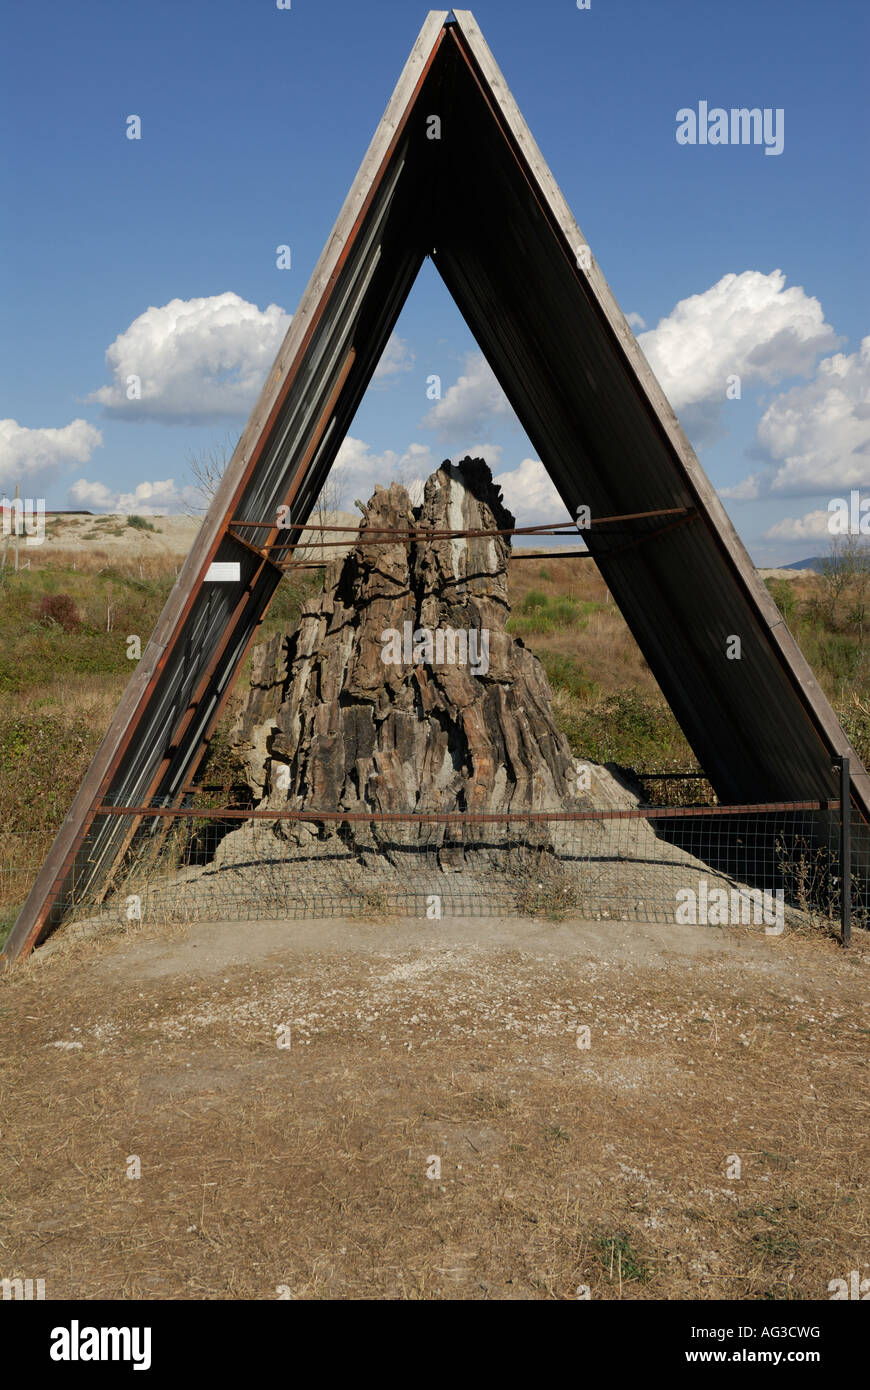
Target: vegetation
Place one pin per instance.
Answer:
(63, 667)
(540, 612)
(619, 1260)
(59, 609)
(606, 700)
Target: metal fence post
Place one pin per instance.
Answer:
(846, 849)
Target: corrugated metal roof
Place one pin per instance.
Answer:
(482, 202)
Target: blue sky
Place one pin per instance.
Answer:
(254, 121)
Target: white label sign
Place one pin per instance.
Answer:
(223, 571)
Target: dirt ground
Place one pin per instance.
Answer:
(169, 536)
(409, 1110)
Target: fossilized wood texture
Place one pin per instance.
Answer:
(329, 724)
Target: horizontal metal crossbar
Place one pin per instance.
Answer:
(404, 533)
(461, 817)
(671, 776)
(556, 555)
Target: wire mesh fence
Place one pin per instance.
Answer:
(772, 865)
(767, 865)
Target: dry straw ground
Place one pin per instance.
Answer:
(305, 1168)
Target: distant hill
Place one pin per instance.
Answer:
(814, 563)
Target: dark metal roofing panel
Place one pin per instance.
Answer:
(484, 204)
(571, 367)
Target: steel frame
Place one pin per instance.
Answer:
(569, 363)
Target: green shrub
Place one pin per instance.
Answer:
(43, 759)
(782, 593)
(855, 719)
(8, 914)
(140, 523)
(628, 729)
(534, 599)
(564, 673)
(539, 613)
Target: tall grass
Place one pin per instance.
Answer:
(539, 613)
(58, 689)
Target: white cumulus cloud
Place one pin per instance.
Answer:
(397, 357)
(490, 453)
(749, 490)
(817, 435)
(748, 325)
(530, 494)
(35, 455)
(146, 499)
(812, 527)
(470, 404)
(358, 469)
(192, 359)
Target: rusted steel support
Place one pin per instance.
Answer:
(573, 372)
(464, 817)
(556, 555)
(550, 528)
(690, 515)
(260, 553)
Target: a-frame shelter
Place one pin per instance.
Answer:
(481, 201)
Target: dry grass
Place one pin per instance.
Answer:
(92, 697)
(590, 658)
(144, 567)
(307, 1167)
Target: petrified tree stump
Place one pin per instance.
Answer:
(400, 689)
